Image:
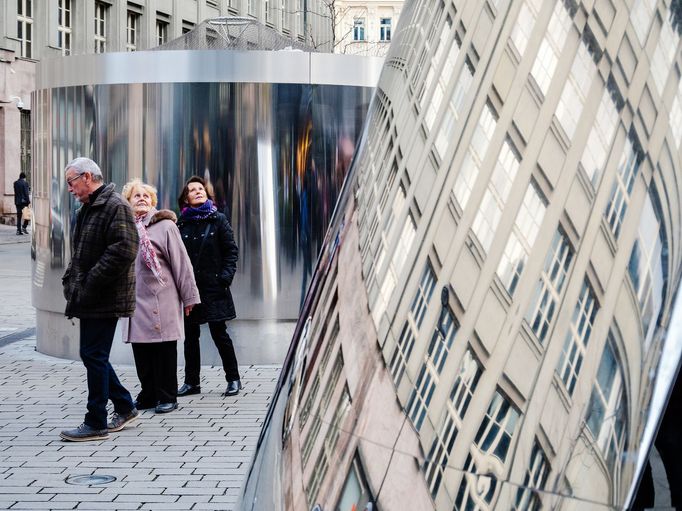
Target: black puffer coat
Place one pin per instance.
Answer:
(214, 262)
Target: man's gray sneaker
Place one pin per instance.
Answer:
(84, 433)
(119, 421)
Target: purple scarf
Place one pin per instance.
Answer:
(203, 211)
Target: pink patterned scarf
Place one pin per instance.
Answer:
(147, 249)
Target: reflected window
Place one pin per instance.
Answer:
(641, 15)
(284, 15)
(646, 268)
(445, 135)
(522, 237)
(443, 74)
(622, 185)
(676, 117)
(599, 140)
(356, 495)
(359, 29)
(578, 336)
(385, 29)
(460, 396)
(550, 285)
(524, 25)
(132, 30)
(527, 499)
(101, 22)
(64, 28)
(267, 7)
(664, 54)
(476, 491)
(25, 27)
(607, 412)
(551, 46)
(575, 91)
(497, 429)
(468, 172)
(496, 194)
(429, 374)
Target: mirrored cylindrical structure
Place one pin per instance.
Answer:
(274, 133)
(495, 321)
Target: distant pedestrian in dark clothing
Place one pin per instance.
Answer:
(22, 199)
(208, 237)
(99, 287)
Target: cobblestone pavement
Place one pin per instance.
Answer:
(193, 458)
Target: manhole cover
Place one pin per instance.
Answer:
(88, 480)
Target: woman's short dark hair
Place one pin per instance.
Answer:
(182, 200)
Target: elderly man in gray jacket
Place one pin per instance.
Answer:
(99, 287)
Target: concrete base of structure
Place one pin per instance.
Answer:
(256, 342)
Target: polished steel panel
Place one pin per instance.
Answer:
(276, 154)
(175, 66)
(416, 378)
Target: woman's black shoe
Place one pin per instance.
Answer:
(188, 390)
(165, 407)
(143, 406)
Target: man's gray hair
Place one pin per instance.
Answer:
(82, 165)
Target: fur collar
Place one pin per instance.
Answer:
(164, 214)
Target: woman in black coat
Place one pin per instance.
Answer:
(208, 237)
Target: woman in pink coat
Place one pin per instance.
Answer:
(164, 289)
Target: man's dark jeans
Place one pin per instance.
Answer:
(97, 335)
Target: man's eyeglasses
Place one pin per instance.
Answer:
(71, 180)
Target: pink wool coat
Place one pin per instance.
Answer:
(159, 308)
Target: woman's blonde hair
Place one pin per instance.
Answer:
(130, 186)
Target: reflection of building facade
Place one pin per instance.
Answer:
(34, 30)
(486, 324)
(365, 27)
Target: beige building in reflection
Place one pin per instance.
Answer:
(488, 327)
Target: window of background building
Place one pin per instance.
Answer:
(577, 338)
(575, 91)
(359, 29)
(101, 21)
(454, 109)
(385, 29)
(268, 11)
(161, 31)
(548, 290)
(64, 26)
(607, 411)
(599, 140)
(522, 238)
(300, 17)
(187, 26)
(525, 24)
(551, 46)
(640, 16)
(284, 12)
(471, 165)
(25, 27)
(622, 185)
(251, 7)
(25, 142)
(536, 476)
(132, 30)
(496, 195)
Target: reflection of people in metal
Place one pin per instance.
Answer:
(99, 287)
(164, 285)
(209, 240)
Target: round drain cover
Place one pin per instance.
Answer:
(87, 480)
